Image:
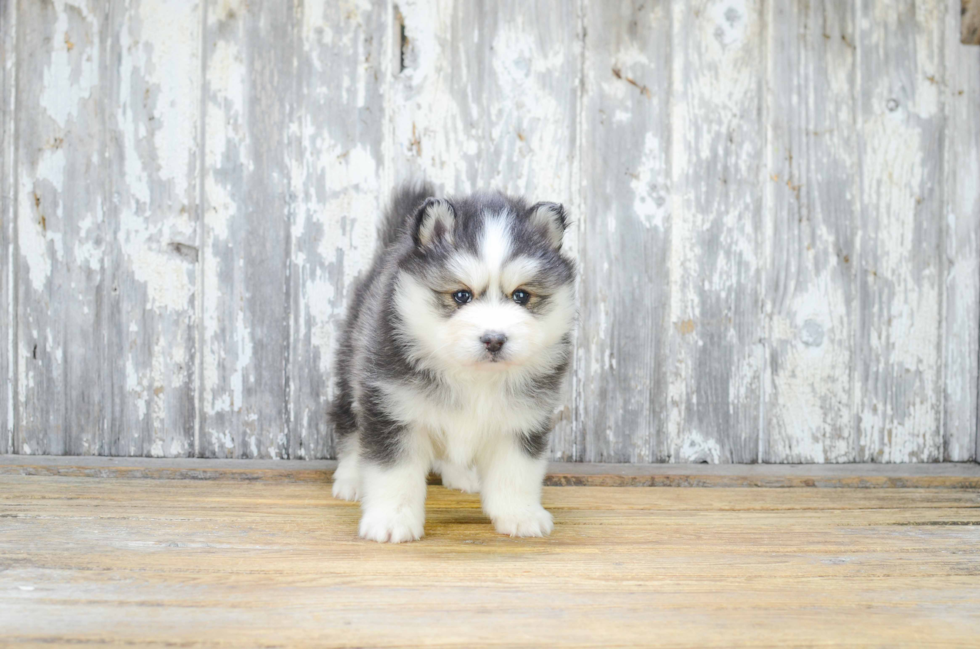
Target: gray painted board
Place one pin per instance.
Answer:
(60, 194)
(8, 41)
(150, 243)
(485, 95)
(897, 373)
(621, 400)
(961, 97)
(810, 197)
(776, 208)
(251, 80)
(715, 366)
(107, 218)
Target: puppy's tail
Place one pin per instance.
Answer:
(406, 198)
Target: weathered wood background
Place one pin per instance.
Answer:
(777, 214)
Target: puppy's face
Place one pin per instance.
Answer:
(486, 289)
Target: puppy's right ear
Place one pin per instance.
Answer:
(550, 219)
(434, 222)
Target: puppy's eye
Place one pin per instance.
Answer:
(462, 297)
(520, 296)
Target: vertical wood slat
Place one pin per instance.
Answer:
(961, 352)
(152, 109)
(8, 58)
(621, 404)
(715, 365)
(250, 79)
(488, 99)
(106, 168)
(337, 170)
(898, 273)
(810, 183)
(60, 227)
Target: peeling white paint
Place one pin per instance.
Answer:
(71, 74)
(243, 359)
(169, 283)
(698, 448)
(33, 245)
(172, 69)
(649, 194)
(781, 334)
(135, 387)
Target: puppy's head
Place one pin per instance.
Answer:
(485, 287)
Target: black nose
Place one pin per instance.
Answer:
(493, 341)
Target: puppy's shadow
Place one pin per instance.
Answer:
(456, 518)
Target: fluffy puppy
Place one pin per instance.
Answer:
(452, 358)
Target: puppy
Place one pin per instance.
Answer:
(452, 358)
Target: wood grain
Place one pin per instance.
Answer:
(149, 318)
(8, 212)
(810, 193)
(483, 97)
(61, 227)
(248, 211)
(106, 231)
(961, 167)
(621, 397)
(715, 367)
(969, 17)
(946, 475)
(183, 562)
(897, 368)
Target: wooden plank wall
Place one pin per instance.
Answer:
(777, 210)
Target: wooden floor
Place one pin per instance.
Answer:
(276, 563)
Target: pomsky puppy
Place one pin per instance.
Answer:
(452, 357)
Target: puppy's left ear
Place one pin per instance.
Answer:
(550, 219)
(435, 221)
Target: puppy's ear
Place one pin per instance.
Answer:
(550, 219)
(434, 222)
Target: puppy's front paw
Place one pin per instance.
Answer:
(391, 526)
(534, 521)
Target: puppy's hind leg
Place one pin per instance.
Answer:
(347, 477)
(457, 476)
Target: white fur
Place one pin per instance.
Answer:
(459, 477)
(347, 477)
(393, 501)
(495, 245)
(453, 346)
(511, 491)
(480, 411)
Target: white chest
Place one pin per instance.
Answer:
(460, 425)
